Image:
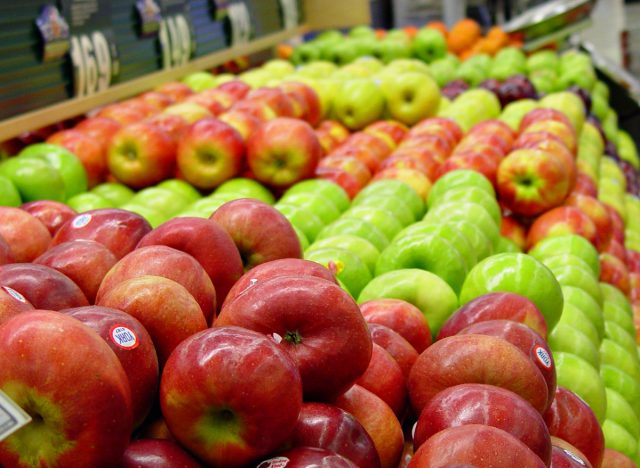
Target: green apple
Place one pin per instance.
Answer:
(316, 204)
(397, 34)
(513, 55)
(601, 89)
(568, 339)
(568, 244)
(388, 50)
(599, 107)
(480, 243)
(279, 67)
(618, 438)
(88, 201)
(162, 200)
(381, 218)
(579, 298)
(428, 252)
(578, 320)
(614, 355)
(503, 70)
(429, 44)
(571, 275)
(411, 97)
(577, 375)
(322, 187)
(304, 242)
(584, 78)
(570, 104)
(543, 60)
(518, 273)
(181, 187)
(206, 206)
(373, 64)
(362, 30)
(481, 61)
(358, 102)
(470, 194)
(255, 77)
(428, 292)
(514, 112)
(613, 294)
(505, 244)
(342, 53)
(356, 227)
(200, 80)
(616, 333)
(153, 216)
(34, 179)
(406, 65)
(621, 412)
(349, 268)
(359, 246)
(447, 231)
(545, 81)
(393, 189)
(329, 35)
(560, 261)
(308, 52)
(460, 178)
(622, 383)
(470, 74)
(309, 223)
(115, 192)
(64, 161)
(393, 204)
(467, 210)
(591, 135)
(443, 71)
(9, 195)
(613, 312)
(627, 149)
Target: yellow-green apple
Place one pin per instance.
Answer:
(402, 317)
(473, 444)
(9, 195)
(295, 311)
(560, 221)
(88, 150)
(400, 349)
(488, 405)
(317, 204)
(472, 194)
(283, 151)
(231, 420)
(567, 244)
(12, 303)
(85, 424)
(623, 383)
(619, 411)
(410, 97)
(118, 230)
(209, 153)
(166, 309)
(359, 246)
(114, 192)
(378, 420)
(141, 154)
(612, 312)
(349, 269)
(133, 346)
(144, 452)
(461, 178)
(569, 339)
(51, 213)
(532, 181)
(428, 252)
(465, 210)
(189, 111)
(381, 218)
(26, 235)
(358, 102)
(393, 189)
(326, 426)
(34, 179)
(407, 284)
(526, 339)
(384, 378)
(248, 188)
(85, 262)
(495, 306)
(355, 226)
(181, 188)
(167, 262)
(565, 455)
(613, 354)
(166, 202)
(42, 286)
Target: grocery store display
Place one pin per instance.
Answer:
(331, 258)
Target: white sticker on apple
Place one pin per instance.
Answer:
(15, 294)
(277, 338)
(124, 337)
(81, 221)
(277, 462)
(543, 357)
(574, 457)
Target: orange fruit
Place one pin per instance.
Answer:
(411, 31)
(463, 35)
(439, 25)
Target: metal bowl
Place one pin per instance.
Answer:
(549, 17)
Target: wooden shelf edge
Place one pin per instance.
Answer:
(33, 120)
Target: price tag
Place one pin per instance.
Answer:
(240, 22)
(54, 31)
(176, 39)
(290, 13)
(93, 52)
(12, 417)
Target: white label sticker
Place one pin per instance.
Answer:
(277, 338)
(574, 457)
(15, 294)
(543, 357)
(12, 417)
(277, 462)
(81, 221)
(124, 337)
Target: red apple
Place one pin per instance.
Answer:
(542, 114)
(495, 306)
(562, 130)
(424, 158)
(170, 263)
(88, 149)
(406, 162)
(141, 154)
(26, 235)
(413, 178)
(85, 262)
(490, 145)
(337, 130)
(435, 144)
(87, 423)
(274, 240)
(349, 164)
(565, 455)
(399, 348)
(618, 250)
(314, 320)
(131, 343)
(402, 317)
(244, 123)
(215, 100)
(118, 230)
(244, 419)
(614, 459)
(378, 420)
(6, 255)
(513, 230)
(475, 359)
(551, 143)
(489, 405)
(585, 184)
(442, 126)
(633, 261)
(51, 213)
(237, 88)
(283, 151)
(152, 453)
(257, 109)
(495, 127)
(329, 427)
(392, 128)
(42, 286)
(561, 220)
(478, 162)
(174, 89)
(303, 457)
(615, 272)
(474, 445)
(275, 98)
(341, 177)
(597, 212)
(571, 419)
(313, 108)
(165, 308)
(617, 223)
(146, 108)
(384, 378)
(157, 99)
(172, 124)
(12, 303)
(100, 129)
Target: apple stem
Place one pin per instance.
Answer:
(293, 337)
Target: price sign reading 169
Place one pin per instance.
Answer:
(92, 63)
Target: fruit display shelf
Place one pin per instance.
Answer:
(324, 264)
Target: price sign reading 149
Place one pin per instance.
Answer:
(92, 63)
(175, 41)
